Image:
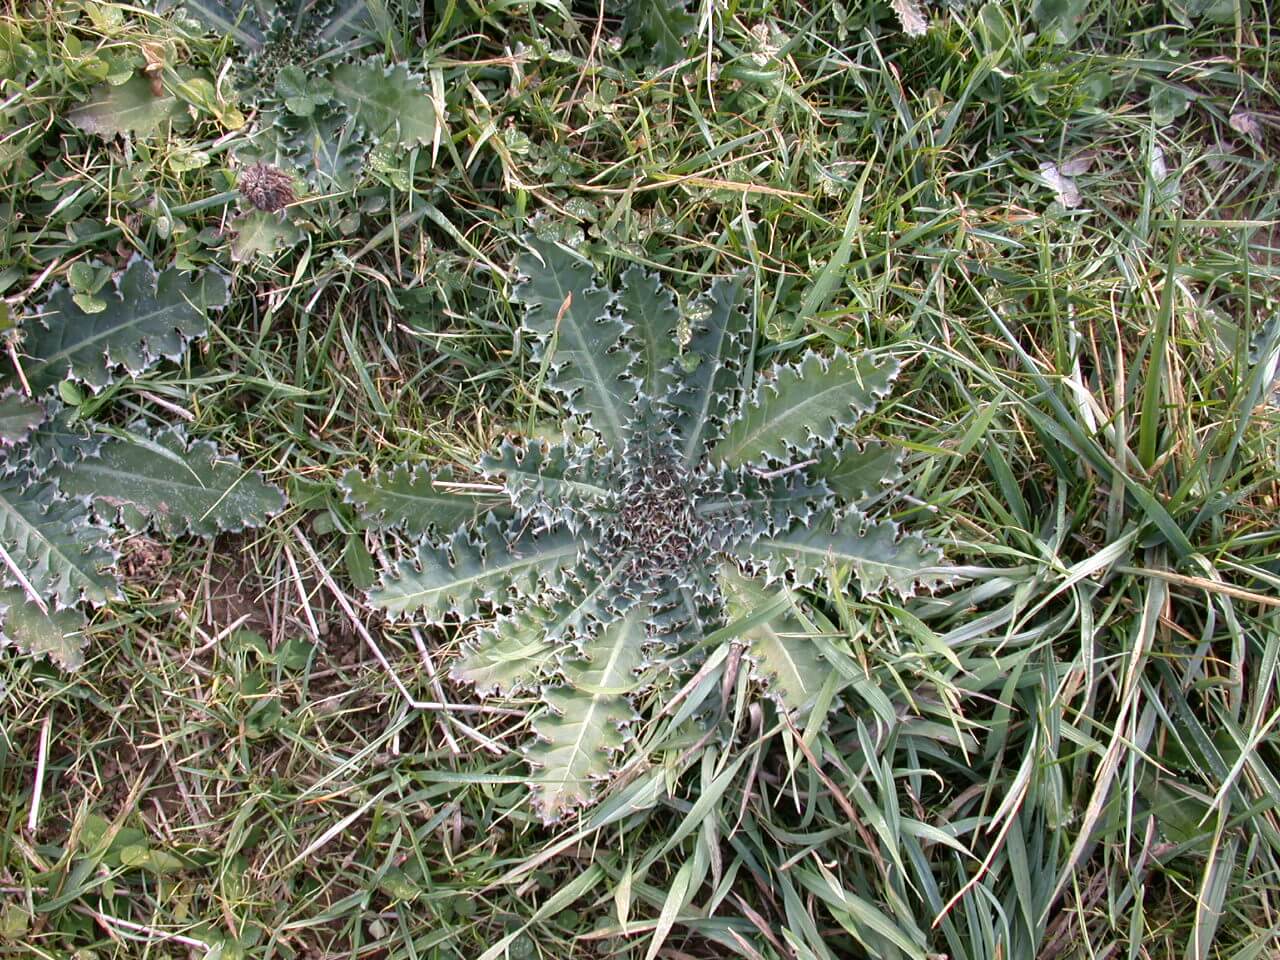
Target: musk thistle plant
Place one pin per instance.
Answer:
(687, 494)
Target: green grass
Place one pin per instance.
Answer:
(1072, 754)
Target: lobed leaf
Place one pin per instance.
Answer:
(805, 405)
(130, 108)
(240, 19)
(782, 654)
(58, 634)
(408, 499)
(262, 234)
(678, 619)
(19, 415)
(877, 554)
(759, 504)
(323, 145)
(599, 592)
(179, 486)
(457, 579)
(542, 479)
(663, 27)
(390, 103)
(859, 472)
(62, 440)
(147, 317)
(577, 333)
(347, 20)
(247, 21)
(653, 324)
(587, 718)
(511, 655)
(710, 368)
(50, 543)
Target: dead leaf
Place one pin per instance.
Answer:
(1064, 187)
(912, 17)
(1244, 123)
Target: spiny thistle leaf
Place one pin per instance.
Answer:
(262, 234)
(179, 486)
(805, 405)
(855, 473)
(131, 108)
(147, 317)
(782, 654)
(62, 440)
(711, 367)
(586, 720)
(541, 479)
(678, 619)
(58, 634)
(653, 322)
(409, 499)
(390, 103)
(766, 503)
(510, 655)
(253, 23)
(19, 415)
(572, 319)
(323, 146)
(458, 578)
(878, 555)
(516, 648)
(51, 546)
(347, 19)
(582, 603)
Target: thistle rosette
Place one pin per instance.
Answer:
(70, 489)
(327, 103)
(680, 499)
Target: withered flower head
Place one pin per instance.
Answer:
(266, 187)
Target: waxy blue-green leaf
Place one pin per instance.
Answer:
(52, 547)
(586, 720)
(579, 337)
(653, 324)
(857, 472)
(148, 317)
(541, 478)
(411, 499)
(56, 634)
(178, 486)
(259, 233)
(389, 102)
(660, 28)
(634, 551)
(710, 367)
(783, 655)
(242, 20)
(19, 415)
(879, 554)
(459, 578)
(510, 655)
(804, 406)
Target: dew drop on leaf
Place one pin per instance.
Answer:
(581, 208)
(662, 223)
